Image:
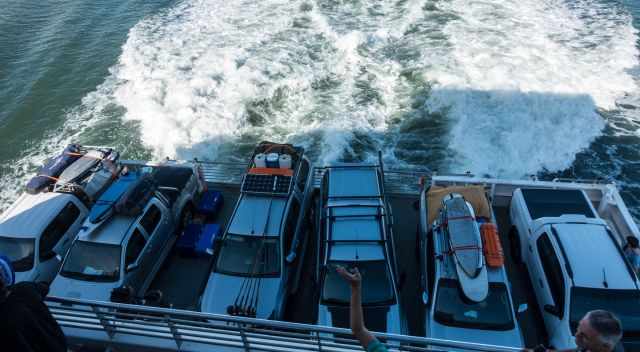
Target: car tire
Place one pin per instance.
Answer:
(185, 218)
(514, 242)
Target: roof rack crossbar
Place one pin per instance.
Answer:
(353, 206)
(356, 241)
(372, 197)
(351, 166)
(376, 215)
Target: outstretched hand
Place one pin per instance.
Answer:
(352, 276)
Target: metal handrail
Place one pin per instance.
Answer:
(143, 327)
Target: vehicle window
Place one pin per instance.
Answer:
(622, 303)
(19, 251)
(303, 174)
(376, 284)
(249, 256)
(552, 271)
(58, 227)
(494, 313)
(290, 225)
(91, 261)
(151, 219)
(134, 247)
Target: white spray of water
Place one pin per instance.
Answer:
(189, 75)
(520, 82)
(524, 79)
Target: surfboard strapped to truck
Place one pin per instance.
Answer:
(463, 217)
(458, 223)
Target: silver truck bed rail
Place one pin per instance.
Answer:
(138, 328)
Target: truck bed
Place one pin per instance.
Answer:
(172, 177)
(556, 202)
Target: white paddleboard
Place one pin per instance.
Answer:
(466, 245)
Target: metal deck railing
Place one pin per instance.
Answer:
(224, 173)
(137, 328)
(396, 181)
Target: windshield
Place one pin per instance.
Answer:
(19, 251)
(249, 256)
(623, 303)
(376, 283)
(90, 261)
(494, 313)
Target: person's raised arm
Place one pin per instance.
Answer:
(356, 318)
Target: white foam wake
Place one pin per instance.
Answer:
(519, 82)
(524, 79)
(189, 75)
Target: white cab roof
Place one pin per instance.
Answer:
(30, 214)
(593, 256)
(113, 231)
(251, 216)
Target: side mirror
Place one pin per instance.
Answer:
(553, 310)
(132, 267)
(522, 308)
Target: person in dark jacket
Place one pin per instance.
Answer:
(25, 321)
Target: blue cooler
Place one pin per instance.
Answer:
(210, 203)
(207, 239)
(186, 244)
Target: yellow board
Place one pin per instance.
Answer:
(472, 194)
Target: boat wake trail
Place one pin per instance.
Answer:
(501, 89)
(487, 86)
(525, 84)
(209, 77)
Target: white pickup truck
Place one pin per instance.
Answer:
(574, 261)
(38, 228)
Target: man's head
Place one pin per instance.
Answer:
(599, 330)
(7, 275)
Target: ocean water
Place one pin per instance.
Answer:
(503, 88)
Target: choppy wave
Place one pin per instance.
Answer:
(524, 81)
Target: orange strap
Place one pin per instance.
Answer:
(463, 248)
(270, 171)
(49, 177)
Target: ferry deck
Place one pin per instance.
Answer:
(182, 279)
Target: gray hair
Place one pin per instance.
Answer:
(607, 325)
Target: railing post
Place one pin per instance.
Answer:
(104, 322)
(174, 331)
(319, 341)
(245, 342)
